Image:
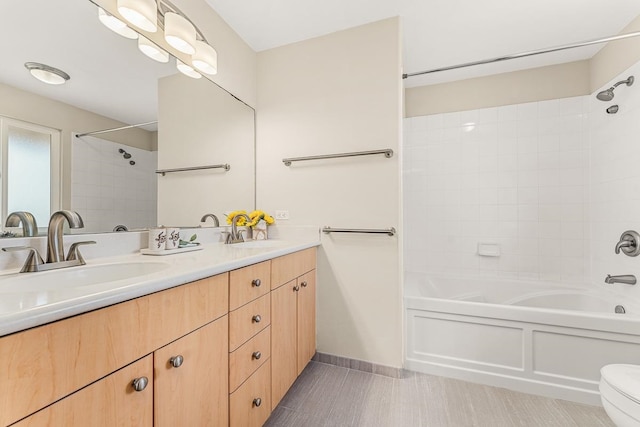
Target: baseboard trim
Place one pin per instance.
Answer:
(359, 365)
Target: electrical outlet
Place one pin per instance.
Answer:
(282, 214)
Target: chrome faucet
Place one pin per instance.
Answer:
(236, 235)
(28, 221)
(55, 247)
(216, 222)
(627, 279)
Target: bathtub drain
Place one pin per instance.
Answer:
(620, 309)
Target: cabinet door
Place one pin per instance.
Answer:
(306, 319)
(111, 401)
(284, 368)
(193, 391)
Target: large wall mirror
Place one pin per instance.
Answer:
(110, 177)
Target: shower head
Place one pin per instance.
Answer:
(607, 95)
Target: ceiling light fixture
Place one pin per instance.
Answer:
(142, 14)
(152, 50)
(116, 25)
(179, 32)
(46, 73)
(187, 70)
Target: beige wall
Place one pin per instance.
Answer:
(26, 106)
(236, 60)
(332, 94)
(201, 124)
(615, 57)
(536, 84)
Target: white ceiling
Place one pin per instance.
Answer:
(109, 75)
(439, 33)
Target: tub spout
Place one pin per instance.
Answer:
(628, 279)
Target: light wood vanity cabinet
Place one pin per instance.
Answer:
(293, 317)
(47, 363)
(221, 351)
(111, 401)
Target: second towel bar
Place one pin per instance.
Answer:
(388, 153)
(388, 231)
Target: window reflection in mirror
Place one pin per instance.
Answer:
(29, 169)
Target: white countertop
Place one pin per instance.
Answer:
(33, 307)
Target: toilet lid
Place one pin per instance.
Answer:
(624, 379)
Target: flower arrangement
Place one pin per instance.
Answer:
(255, 217)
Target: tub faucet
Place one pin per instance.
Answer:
(216, 222)
(628, 279)
(28, 221)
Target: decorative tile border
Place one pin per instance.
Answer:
(359, 365)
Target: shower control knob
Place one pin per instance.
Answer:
(629, 243)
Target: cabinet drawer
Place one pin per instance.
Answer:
(47, 363)
(248, 320)
(105, 403)
(249, 283)
(288, 267)
(250, 405)
(250, 356)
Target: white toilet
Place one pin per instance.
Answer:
(620, 394)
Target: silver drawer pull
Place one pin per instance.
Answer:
(257, 402)
(304, 284)
(257, 318)
(177, 361)
(296, 288)
(256, 283)
(256, 355)
(140, 384)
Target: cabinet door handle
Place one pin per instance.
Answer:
(304, 284)
(140, 384)
(256, 283)
(176, 361)
(256, 355)
(296, 288)
(257, 402)
(256, 319)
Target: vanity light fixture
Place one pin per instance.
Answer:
(116, 25)
(142, 14)
(46, 73)
(152, 50)
(205, 59)
(187, 70)
(179, 32)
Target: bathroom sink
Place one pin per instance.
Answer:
(258, 244)
(77, 277)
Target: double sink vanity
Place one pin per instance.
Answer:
(214, 337)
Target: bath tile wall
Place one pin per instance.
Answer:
(107, 191)
(515, 176)
(615, 179)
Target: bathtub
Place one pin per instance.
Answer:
(541, 338)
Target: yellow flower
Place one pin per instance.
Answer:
(241, 221)
(256, 216)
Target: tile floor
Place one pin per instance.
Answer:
(331, 396)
